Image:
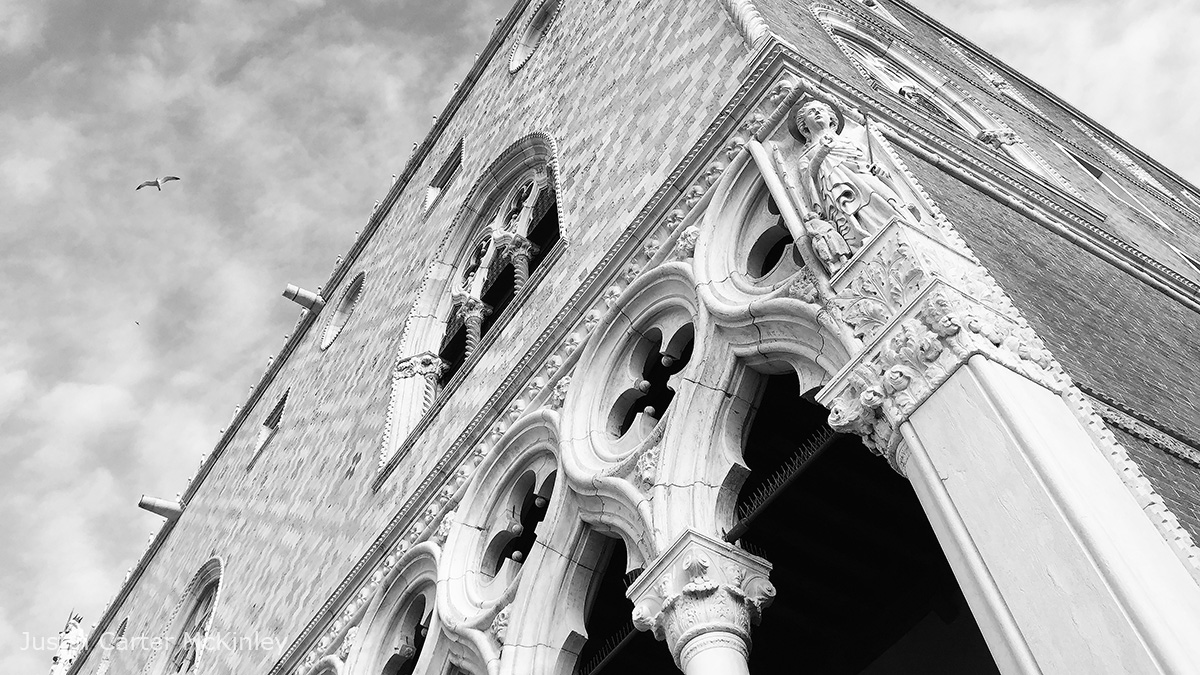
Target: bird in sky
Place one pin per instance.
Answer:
(157, 182)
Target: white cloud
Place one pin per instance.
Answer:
(21, 24)
(148, 315)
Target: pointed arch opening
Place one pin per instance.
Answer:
(863, 586)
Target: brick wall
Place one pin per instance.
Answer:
(625, 94)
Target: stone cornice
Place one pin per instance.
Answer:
(1154, 433)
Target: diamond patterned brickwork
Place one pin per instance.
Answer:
(1111, 332)
(625, 95)
(1173, 478)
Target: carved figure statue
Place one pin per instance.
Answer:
(829, 245)
(857, 195)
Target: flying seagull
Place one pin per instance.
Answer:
(157, 182)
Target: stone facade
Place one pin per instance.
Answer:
(935, 283)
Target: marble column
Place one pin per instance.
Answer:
(701, 596)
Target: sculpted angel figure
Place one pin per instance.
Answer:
(857, 195)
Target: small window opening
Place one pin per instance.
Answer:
(773, 247)
(1113, 187)
(407, 649)
(526, 519)
(453, 352)
(498, 296)
(534, 31)
(543, 234)
(652, 395)
(442, 178)
(345, 308)
(268, 429)
(191, 638)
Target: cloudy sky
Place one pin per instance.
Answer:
(135, 321)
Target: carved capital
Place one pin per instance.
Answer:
(998, 138)
(685, 247)
(917, 350)
(426, 365)
(469, 306)
(701, 586)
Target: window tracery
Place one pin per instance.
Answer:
(517, 235)
(502, 238)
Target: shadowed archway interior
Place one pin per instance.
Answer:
(862, 585)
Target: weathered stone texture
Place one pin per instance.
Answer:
(625, 94)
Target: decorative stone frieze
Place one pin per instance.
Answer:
(917, 350)
(897, 266)
(698, 586)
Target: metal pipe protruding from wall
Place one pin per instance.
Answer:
(162, 507)
(306, 299)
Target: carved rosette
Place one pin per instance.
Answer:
(699, 586)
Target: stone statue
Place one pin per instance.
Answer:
(829, 245)
(852, 192)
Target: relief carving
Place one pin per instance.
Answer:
(701, 585)
(922, 349)
(844, 185)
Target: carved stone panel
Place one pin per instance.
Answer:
(897, 266)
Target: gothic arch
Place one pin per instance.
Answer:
(395, 617)
(507, 513)
(895, 68)
(193, 614)
(620, 403)
(509, 223)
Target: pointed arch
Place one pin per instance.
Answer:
(503, 237)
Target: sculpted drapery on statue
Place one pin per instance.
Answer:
(842, 184)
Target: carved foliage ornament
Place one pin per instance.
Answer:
(919, 352)
(701, 585)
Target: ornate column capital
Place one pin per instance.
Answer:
(469, 306)
(425, 364)
(700, 586)
(921, 309)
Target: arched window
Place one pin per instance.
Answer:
(896, 70)
(512, 241)
(504, 236)
(189, 641)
